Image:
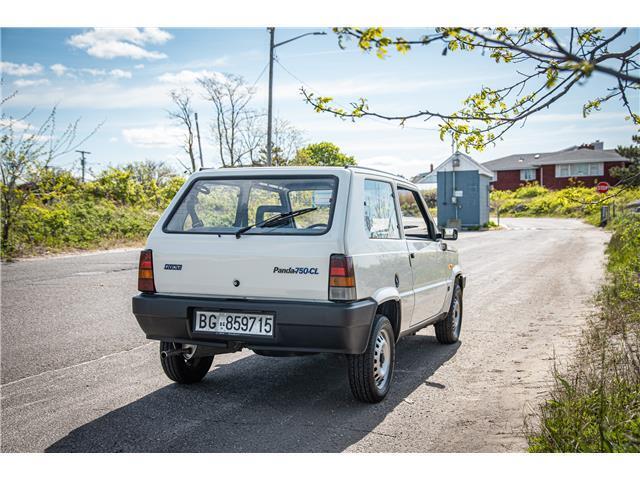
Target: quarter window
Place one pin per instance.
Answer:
(380, 216)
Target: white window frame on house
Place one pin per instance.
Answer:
(590, 169)
(528, 174)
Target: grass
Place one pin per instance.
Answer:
(594, 405)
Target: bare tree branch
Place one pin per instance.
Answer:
(230, 97)
(183, 114)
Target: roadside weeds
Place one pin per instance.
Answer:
(594, 404)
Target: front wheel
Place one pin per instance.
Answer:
(371, 372)
(448, 330)
(186, 367)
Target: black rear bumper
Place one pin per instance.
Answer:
(299, 326)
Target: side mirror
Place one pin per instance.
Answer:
(449, 234)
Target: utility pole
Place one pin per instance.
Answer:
(272, 47)
(199, 144)
(83, 160)
(270, 102)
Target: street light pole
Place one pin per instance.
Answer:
(272, 47)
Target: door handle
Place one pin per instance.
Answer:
(412, 255)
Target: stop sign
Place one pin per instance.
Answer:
(602, 187)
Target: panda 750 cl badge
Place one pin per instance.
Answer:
(297, 270)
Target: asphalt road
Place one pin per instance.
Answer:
(78, 375)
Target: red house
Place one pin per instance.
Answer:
(588, 164)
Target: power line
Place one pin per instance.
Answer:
(264, 69)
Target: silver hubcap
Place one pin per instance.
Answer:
(457, 313)
(382, 359)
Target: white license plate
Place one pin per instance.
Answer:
(234, 323)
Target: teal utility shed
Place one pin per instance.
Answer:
(463, 192)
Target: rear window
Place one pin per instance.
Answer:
(225, 205)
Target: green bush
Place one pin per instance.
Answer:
(61, 212)
(575, 201)
(530, 190)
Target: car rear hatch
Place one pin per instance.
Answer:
(196, 249)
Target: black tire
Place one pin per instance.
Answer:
(364, 369)
(448, 330)
(181, 369)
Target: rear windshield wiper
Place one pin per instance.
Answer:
(271, 221)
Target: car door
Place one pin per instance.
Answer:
(429, 262)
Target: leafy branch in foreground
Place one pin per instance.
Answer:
(553, 63)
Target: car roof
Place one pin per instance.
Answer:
(339, 171)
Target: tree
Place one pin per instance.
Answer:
(26, 152)
(551, 64)
(183, 114)
(230, 97)
(629, 175)
(322, 154)
(148, 171)
(253, 137)
(287, 140)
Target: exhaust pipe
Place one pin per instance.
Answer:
(174, 353)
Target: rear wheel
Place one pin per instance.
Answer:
(370, 373)
(448, 330)
(185, 367)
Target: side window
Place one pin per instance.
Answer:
(415, 220)
(380, 216)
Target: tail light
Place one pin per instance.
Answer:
(145, 272)
(342, 279)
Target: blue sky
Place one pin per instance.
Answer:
(123, 78)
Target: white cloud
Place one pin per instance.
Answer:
(117, 73)
(139, 66)
(113, 140)
(163, 136)
(110, 43)
(59, 69)
(94, 72)
(30, 83)
(16, 124)
(105, 94)
(186, 77)
(20, 69)
(101, 72)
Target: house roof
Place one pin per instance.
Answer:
(466, 163)
(569, 155)
(426, 177)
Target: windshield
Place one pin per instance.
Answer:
(226, 205)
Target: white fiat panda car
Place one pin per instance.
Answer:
(294, 261)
